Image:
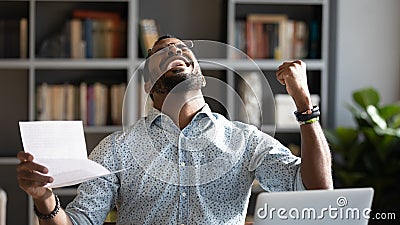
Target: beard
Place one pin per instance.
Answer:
(178, 83)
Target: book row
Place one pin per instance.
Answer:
(95, 104)
(275, 36)
(88, 34)
(14, 38)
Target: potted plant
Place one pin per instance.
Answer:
(369, 154)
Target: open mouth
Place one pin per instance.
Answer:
(175, 64)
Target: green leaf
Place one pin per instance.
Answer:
(349, 179)
(360, 117)
(347, 136)
(366, 97)
(342, 139)
(396, 122)
(389, 111)
(332, 137)
(375, 117)
(356, 113)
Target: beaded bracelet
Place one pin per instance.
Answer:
(52, 214)
(313, 120)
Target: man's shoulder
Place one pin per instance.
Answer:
(237, 124)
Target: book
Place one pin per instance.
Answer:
(96, 104)
(100, 103)
(94, 14)
(90, 105)
(149, 34)
(77, 50)
(88, 37)
(108, 32)
(43, 102)
(23, 38)
(300, 40)
(273, 38)
(83, 102)
(314, 40)
(98, 39)
(69, 102)
(58, 102)
(111, 26)
(117, 92)
(240, 36)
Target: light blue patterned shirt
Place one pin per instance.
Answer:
(199, 175)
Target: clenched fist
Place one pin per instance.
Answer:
(293, 75)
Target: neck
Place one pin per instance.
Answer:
(180, 107)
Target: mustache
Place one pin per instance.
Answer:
(178, 83)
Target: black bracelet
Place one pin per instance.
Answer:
(52, 214)
(308, 114)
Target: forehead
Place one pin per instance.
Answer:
(165, 42)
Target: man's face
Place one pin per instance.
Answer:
(172, 63)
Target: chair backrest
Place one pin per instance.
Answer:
(3, 206)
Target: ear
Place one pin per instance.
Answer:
(147, 87)
(204, 82)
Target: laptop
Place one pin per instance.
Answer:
(322, 207)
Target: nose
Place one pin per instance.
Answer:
(173, 50)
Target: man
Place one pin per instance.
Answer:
(185, 164)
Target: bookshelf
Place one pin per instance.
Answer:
(306, 11)
(313, 13)
(46, 22)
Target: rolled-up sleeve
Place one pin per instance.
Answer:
(95, 198)
(273, 165)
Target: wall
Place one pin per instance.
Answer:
(368, 51)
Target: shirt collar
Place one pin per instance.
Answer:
(155, 113)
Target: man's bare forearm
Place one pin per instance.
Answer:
(46, 207)
(316, 158)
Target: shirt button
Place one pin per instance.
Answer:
(183, 164)
(184, 194)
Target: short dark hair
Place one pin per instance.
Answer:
(146, 71)
(165, 36)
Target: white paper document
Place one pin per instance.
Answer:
(60, 146)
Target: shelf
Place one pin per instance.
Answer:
(206, 63)
(8, 161)
(14, 64)
(241, 64)
(81, 63)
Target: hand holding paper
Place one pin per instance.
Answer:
(60, 146)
